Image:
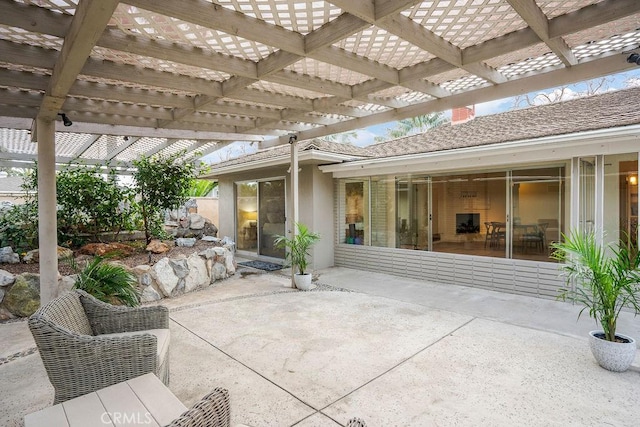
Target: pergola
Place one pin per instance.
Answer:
(156, 76)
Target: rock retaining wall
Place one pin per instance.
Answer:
(169, 277)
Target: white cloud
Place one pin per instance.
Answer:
(364, 138)
(632, 82)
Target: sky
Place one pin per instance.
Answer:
(367, 136)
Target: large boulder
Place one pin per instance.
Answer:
(198, 275)
(23, 299)
(6, 278)
(180, 266)
(165, 277)
(196, 221)
(218, 272)
(149, 294)
(7, 256)
(209, 229)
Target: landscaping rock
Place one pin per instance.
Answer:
(7, 256)
(180, 267)
(33, 256)
(6, 278)
(208, 238)
(165, 277)
(158, 247)
(230, 265)
(143, 273)
(23, 299)
(66, 283)
(187, 242)
(218, 272)
(5, 314)
(196, 221)
(198, 275)
(184, 222)
(1, 295)
(210, 229)
(149, 294)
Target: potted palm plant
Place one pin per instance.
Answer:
(298, 253)
(604, 280)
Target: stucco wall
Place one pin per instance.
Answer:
(208, 208)
(315, 196)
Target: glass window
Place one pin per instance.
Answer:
(247, 216)
(538, 211)
(587, 195)
(412, 221)
(383, 211)
(355, 212)
(469, 214)
(272, 216)
(621, 198)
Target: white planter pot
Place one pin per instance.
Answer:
(613, 356)
(302, 281)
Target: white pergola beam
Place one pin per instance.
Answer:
(89, 21)
(585, 70)
(538, 22)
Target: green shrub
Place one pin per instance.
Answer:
(19, 227)
(162, 183)
(108, 282)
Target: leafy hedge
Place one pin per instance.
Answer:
(91, 201)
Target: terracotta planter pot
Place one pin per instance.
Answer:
(613, 356)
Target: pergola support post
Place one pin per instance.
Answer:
(293, 141)
(47, 217)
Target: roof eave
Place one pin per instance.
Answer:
(552, 147)
(305, 157)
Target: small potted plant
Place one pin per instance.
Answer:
(298, 252)
(605, 280)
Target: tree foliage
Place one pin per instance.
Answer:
(162, 183)
(89, 202)
(414, 125)
(201, 187)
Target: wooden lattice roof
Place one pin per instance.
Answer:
(197, 74)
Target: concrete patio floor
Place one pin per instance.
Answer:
(395, 352)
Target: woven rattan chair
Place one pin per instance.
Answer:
(212, 411)
(86, 344)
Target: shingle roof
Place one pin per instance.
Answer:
(611, 109)
(283, 151)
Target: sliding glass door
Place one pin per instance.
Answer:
(260, 216)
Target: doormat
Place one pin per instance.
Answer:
(262, 265)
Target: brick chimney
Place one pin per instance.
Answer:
(462, 114)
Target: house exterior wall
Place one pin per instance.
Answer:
(321, 195)
(538, 279)
(315, 195)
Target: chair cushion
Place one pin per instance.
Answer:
(163, 340)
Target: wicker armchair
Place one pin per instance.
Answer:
(212, 411)
(86, 344)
